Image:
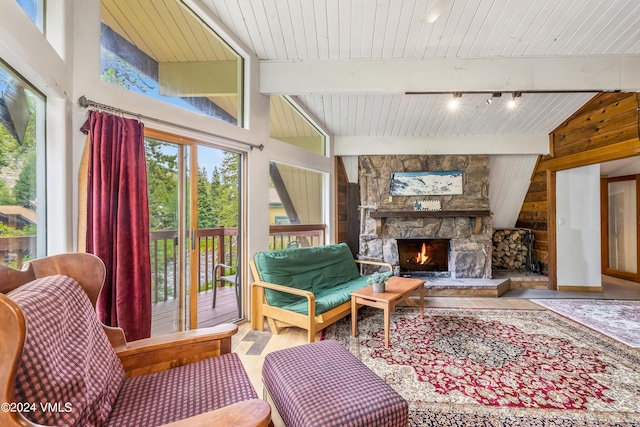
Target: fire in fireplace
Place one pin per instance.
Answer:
(423, 255)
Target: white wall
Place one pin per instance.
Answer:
(578, 227)
(509, 180)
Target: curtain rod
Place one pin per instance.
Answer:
(87, 103)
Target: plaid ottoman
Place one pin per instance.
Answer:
(322, 384)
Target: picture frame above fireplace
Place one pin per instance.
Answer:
(426, 183)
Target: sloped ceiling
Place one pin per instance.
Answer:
(290, 33)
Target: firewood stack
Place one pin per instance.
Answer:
(510, 248)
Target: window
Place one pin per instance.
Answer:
(296, 206)
(21, 181)
(35, 10)
(288, 125)
(162, 50)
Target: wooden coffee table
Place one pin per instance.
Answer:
(397, 290)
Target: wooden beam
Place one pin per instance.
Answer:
(607, 153)
(433, 145)
(283, 193)
(504, 74)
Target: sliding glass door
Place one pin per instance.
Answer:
(194, 211)
(620, 214)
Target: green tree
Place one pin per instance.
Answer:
(24, 190)
(6, 198)
(224, 189)
(207, 216)
(162, 172)
(9, 148)
(119, 72)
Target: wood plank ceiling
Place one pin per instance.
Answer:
(301, 30)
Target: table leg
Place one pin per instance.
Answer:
(354, 317)
(387, 322)
(422, 301)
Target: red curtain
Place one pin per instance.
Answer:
(118, 221)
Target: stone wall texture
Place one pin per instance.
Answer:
(470, 254)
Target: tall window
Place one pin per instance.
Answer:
(35, 10)
(162, 50)
(22, 183)
(296, 208)
(287, 124)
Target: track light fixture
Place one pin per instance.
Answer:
(454, 103)
(512, 102)
(493, 95)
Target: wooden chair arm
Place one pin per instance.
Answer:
(248, 413)
(164, 352)
(382, 264)
(116, 336)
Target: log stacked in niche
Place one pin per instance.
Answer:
(511, 249)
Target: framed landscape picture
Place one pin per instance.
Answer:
(426, 183)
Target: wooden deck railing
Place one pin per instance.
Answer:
(14, 251)
(217, 246)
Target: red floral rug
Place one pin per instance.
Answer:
(498, 367)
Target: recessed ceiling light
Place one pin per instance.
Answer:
(435, 10)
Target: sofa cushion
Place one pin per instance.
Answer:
(183, 392)
(332, 297)
(67, 358)
(310, 269)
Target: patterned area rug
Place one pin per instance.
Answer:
(618, 319)
(460, 367)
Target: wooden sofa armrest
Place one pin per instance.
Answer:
(258, 298)
(382, 264)
(308, 294)
(164, 352)
(248, 413)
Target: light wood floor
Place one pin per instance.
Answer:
(290, 337)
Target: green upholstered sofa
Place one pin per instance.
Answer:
(305, 287)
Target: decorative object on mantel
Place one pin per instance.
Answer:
(427, 205)
(426, 183)
(378, 281)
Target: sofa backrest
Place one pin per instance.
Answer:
(68, 374)
(311, 269)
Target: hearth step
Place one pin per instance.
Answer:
(521, 280)
(450, 287)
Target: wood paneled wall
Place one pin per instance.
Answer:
(341, 195)
(347, 216)
(606, 128)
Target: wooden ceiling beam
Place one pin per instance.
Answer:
(504, 74)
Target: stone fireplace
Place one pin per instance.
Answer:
(464, 220)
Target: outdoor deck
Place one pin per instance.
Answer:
(164, 314)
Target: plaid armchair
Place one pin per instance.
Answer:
(60, 366)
